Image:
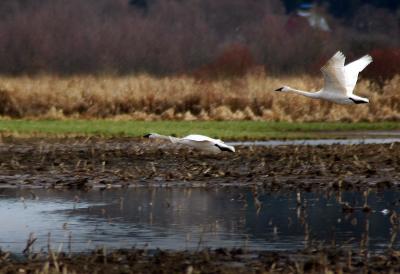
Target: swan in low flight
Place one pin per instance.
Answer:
(339, 81)
(196, 141)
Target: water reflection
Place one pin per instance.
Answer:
(190, 218)
(318, 142)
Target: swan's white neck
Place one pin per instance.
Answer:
(164, 137)
(315, 95)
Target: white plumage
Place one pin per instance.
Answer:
(339, 81)
(200, 142)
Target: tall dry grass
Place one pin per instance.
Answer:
(144, 97)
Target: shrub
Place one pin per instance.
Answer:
(235, 60)
(385, 65)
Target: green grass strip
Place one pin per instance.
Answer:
(232, 130)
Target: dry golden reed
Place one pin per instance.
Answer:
(144, 97)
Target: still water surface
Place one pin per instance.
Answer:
(319, 142)
(190, 218)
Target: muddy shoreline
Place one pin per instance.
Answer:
(328, 260)
(78, 163)
(97, 163)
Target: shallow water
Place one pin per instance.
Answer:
(185, 218)
(318, 142)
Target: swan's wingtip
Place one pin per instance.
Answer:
(279, 89)
(339, 52)
(147, 135)
(369, 58)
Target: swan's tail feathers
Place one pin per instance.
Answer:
(359, 65)
(147, 135)
(224, 147)
(359, 100)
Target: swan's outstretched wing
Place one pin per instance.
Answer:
(201, 138)
(206, 143)
(351, 72)
(334, 77)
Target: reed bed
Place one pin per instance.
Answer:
(144, 97)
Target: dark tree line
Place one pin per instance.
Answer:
(186, 36)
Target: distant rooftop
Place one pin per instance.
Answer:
(306, 5)
(315, 19)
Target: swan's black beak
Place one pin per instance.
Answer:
(147, 135)
(279, 89)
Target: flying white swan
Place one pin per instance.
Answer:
(339, 81)
(196, 141)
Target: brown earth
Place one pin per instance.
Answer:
(206, 261)
(93, 162)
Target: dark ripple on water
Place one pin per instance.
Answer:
(187, 218)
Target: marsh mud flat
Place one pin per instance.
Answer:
(350, 185)
(99, 163)
(206, 261)
(197, 230)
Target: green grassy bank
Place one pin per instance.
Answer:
(231, 130)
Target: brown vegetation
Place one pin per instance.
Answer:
(221, 260)
(143, 97)
(385, 66)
